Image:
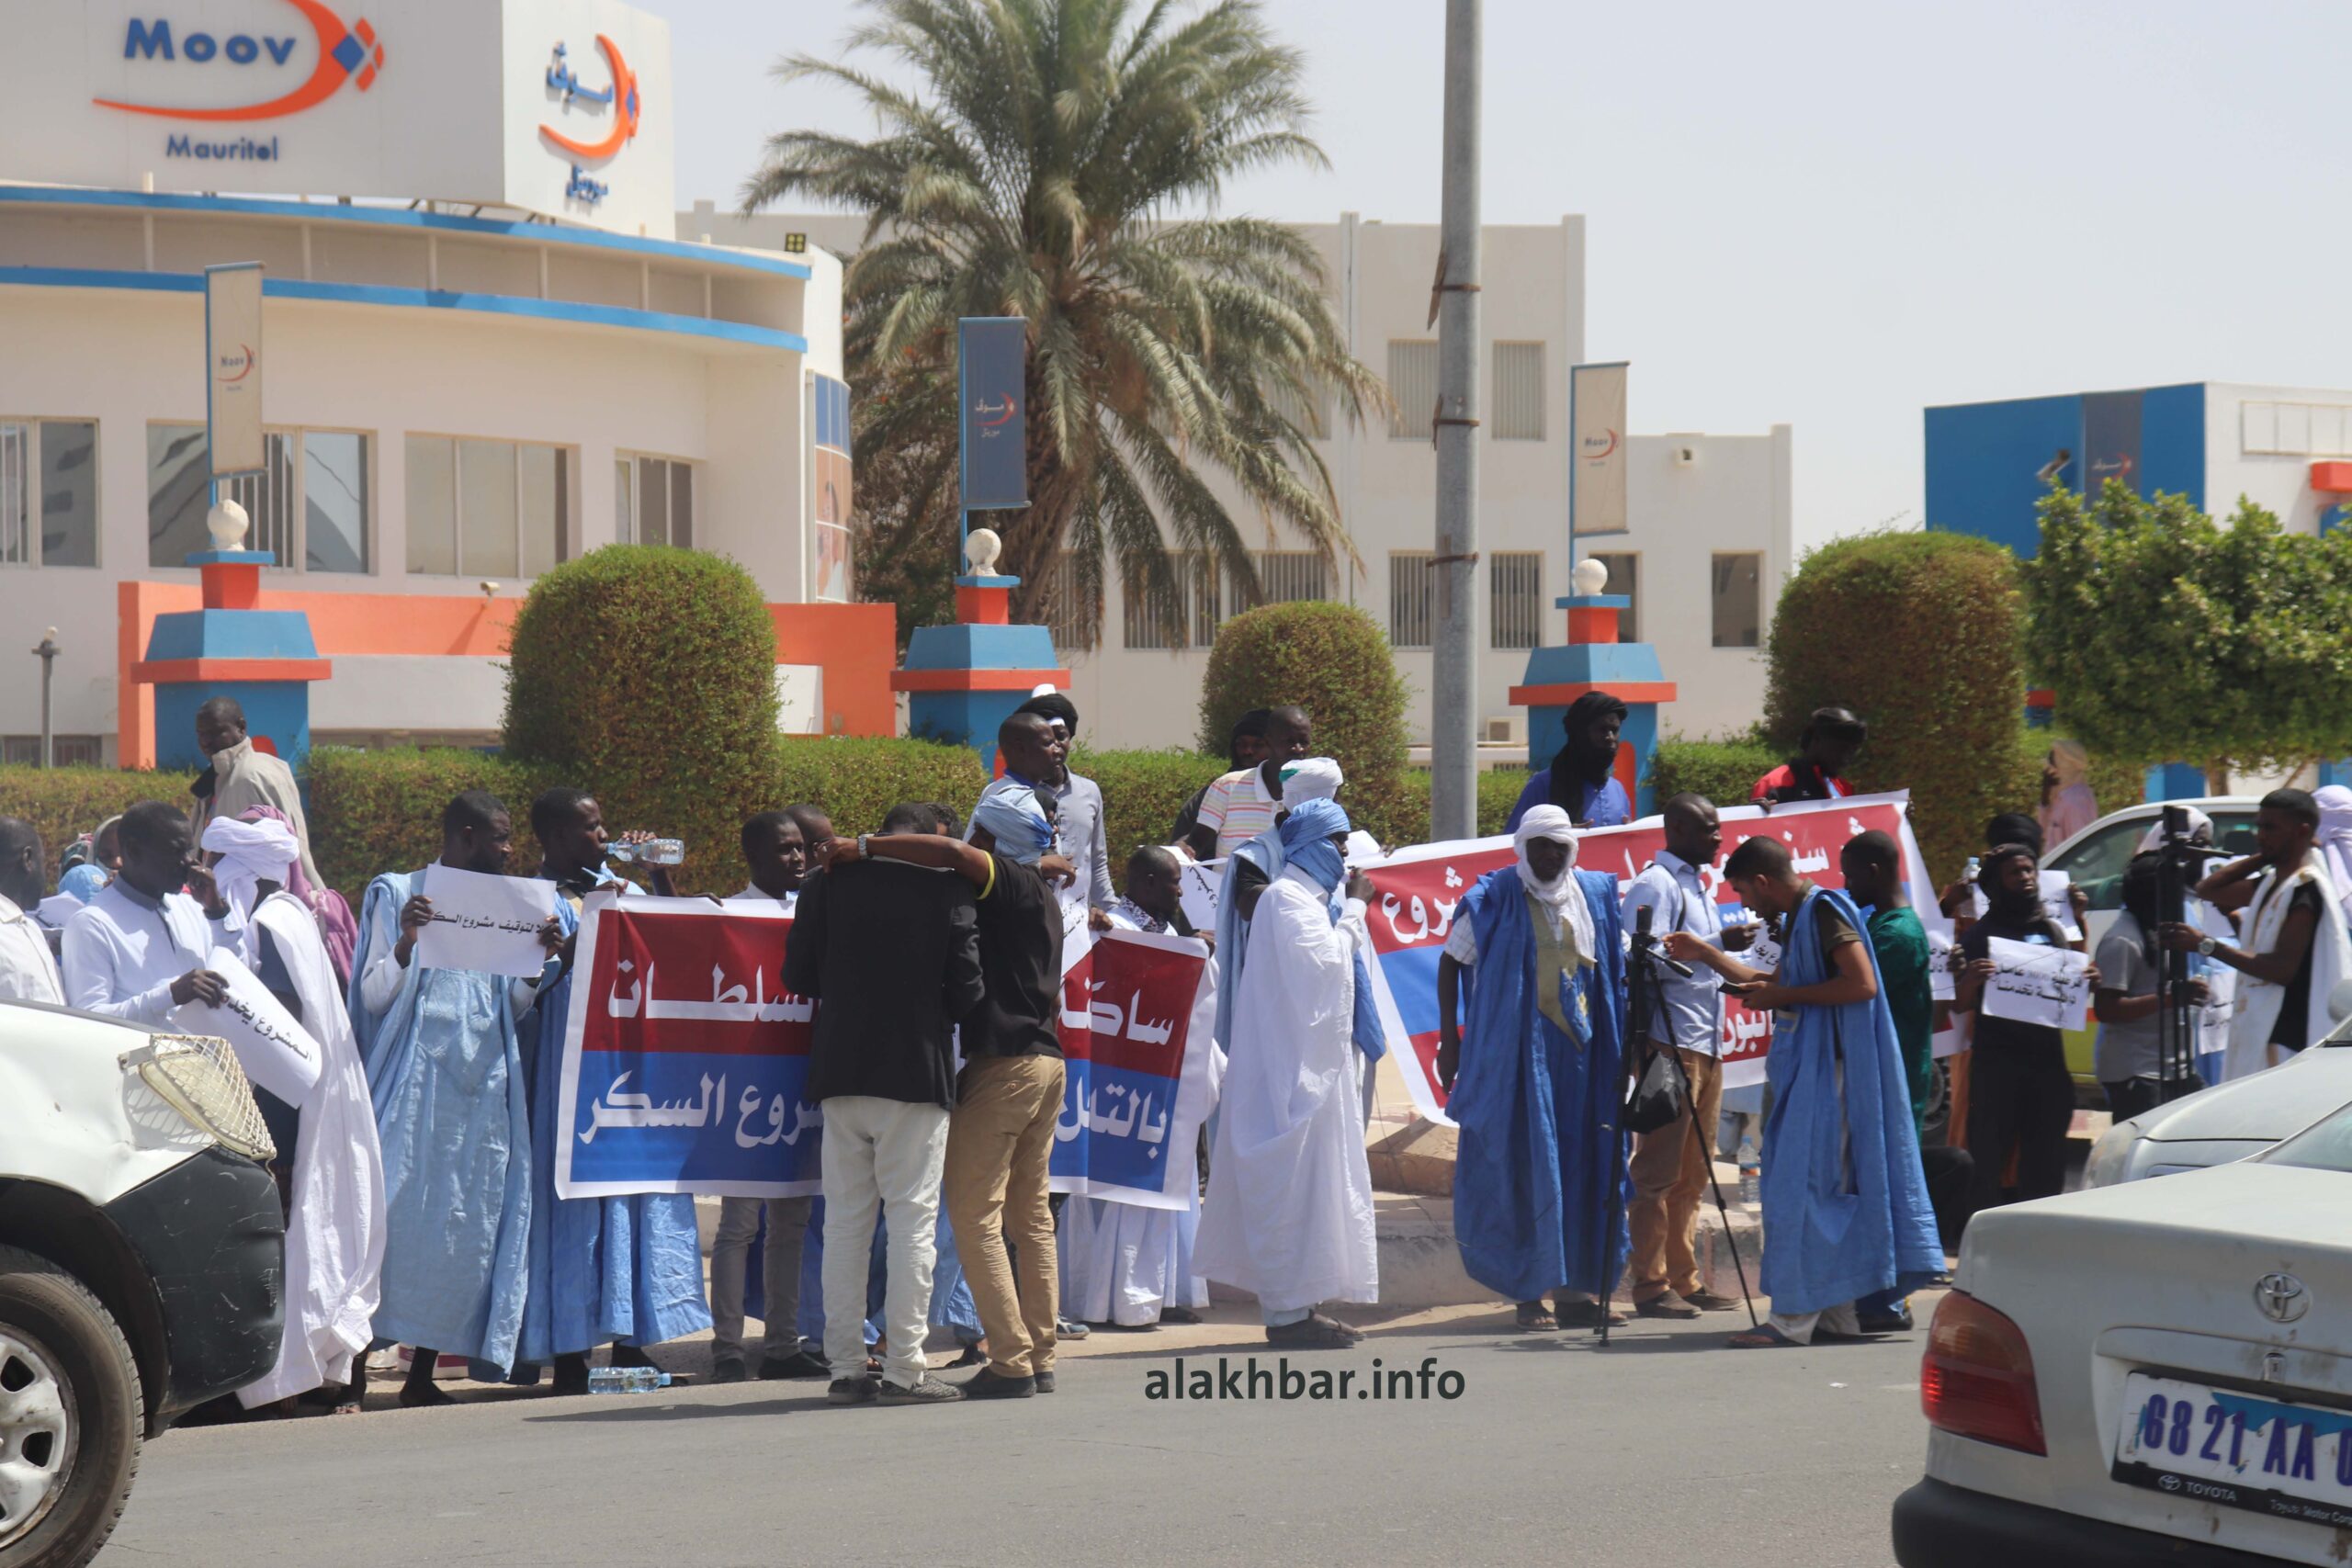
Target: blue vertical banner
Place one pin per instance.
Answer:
(992, 363)
(2110, 440)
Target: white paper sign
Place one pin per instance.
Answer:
(2034, 984)
(276, 1052)
(488, 924)
(1201, 881)
(1942, 963)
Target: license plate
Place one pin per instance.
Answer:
(2241, 1450)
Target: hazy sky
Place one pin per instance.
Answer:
(1830, 215)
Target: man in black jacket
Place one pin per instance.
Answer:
(891, 952)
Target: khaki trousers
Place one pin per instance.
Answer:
(1670, 1169)
(999, 1139)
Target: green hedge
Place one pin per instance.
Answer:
(378, 811)
(64, 802)
(1723, 771)
(1331, 659)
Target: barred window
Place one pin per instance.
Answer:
(1519, 395)
(48, 493)
(1285, 576)
(1073, 620)
(1199, 606)
(1412, 376)
(1738, 588)
(1412, 599)
(1624, 580)
(1515, 599)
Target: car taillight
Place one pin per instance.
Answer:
(1976, 1379)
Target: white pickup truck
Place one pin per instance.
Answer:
(141, 1261)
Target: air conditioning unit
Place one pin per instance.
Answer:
(1509, 730)
(1686, 457)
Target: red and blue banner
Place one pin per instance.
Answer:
(684, 1057)
(1416, 892)
(1137, 1013)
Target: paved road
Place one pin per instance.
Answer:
(1666, 1450)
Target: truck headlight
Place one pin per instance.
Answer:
(2110, 1160)
(198, 1076)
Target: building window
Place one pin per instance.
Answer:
(493, 509)
(48, 493)
(1624, 580)
(1519, 394)
(308, 508)
(68, 750)
(1287, 576)
(1198, 593)
(829, 477)
(1412, 377)
(1738, 587)
(2298, 430)
(1515, 599)
(654, 501)
(1412, 599)
(1076, 623)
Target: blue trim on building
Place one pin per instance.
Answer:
(2172, 442)
(401, 217)
(418, 298)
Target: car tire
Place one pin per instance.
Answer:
(53, 1331)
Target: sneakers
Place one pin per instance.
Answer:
(931, 1390)
(988, 1383)
(1066, 1329)
(1665, 1304)
(726, 1369)
(852, 1390)
(800, 1364)
(1707, 1301)
(1044, 1382)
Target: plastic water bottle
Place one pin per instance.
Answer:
(626, 1379)
(651, 851)
(1968, 872)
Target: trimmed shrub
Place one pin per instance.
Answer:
(1922, 635)
(648, 675)
(1331, 659)
(1142, 792)
(63, 802)
(1723, 771)
(858, 780)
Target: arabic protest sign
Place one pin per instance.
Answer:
(276, 1052)
(684, 1057)
(1416, 892)
(1943, 967)
(488, 924)
(2032, 983)
(1138, 1014)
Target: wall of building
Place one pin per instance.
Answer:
(2260, 443)
(1735, 495)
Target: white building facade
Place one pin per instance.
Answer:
(1710, 516)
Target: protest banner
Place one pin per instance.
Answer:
(488, 924)
(2034, 983)
(1137, 1015)
(685, 1058)
(276, 1052)
(1417, 890)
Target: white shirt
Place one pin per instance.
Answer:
(753, 894)
(124, 950)
(26, 970)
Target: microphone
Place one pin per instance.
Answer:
(1646, 946)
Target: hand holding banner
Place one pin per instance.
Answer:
(276, 1052)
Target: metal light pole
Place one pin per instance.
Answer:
(1453, 696)
(47, 654)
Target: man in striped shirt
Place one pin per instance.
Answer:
(1242, 805)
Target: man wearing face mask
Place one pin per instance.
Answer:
(1543, 946)
(1582, 779)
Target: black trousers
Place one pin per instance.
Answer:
(1950, 1175)
(2130, 1097)
(2021, 1097)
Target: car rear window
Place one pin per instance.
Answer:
(2095, 865)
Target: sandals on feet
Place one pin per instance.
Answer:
(1534, 1315)
(1764, 1339)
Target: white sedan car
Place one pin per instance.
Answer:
(2231, 1120)
(2151, 1373)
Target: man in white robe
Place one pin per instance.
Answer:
(1123, 1263)
(28, 972)
(137, 950)
(335, 1223)
(1289, 1214)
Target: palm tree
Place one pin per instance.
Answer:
(1044, 168)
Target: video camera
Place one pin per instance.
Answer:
(2183, 864)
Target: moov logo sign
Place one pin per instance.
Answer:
(622, 95)
(344, 54)
(230, 366)
(1597, 447)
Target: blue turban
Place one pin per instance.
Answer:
(1010, 814)
(1306, 835)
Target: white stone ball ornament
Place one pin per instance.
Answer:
(1591, 578)
(981, 551)
(228, 523)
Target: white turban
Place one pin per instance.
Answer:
(2336, 834)
(1316, 778)
(1560, 898)
(250, 853)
